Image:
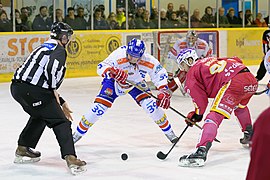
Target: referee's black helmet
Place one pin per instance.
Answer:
(60, 29)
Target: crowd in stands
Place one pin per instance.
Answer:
(139, 18)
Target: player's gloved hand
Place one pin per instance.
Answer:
(193, 117)
(163, 98)
(268, 89)
(119, 75)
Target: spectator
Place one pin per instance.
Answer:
(240, 17)
(173, 22)
(1, 6)
(71, 19)
(139, 13)
(59, 15)
(25, 19)
(42, 22)
(82, 24)
(99, 22)
(5, 24)
(112, 23)
(249, 21)
(259, 21)
(233, 20)
(169, 10)
(182, 15)
(18, 20)
(131, 22)
(208, 19)
(266, 20)
(120, 16)
(164, 22)
(102, 8)
(154, 14)
(223, 21)
(195, 19)
(145, 22)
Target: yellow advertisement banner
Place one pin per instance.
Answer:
(83, 54)
(246, 44)
(88, 50)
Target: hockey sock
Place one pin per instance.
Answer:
(243, 117)
(88, 119)
(208, 133)
(159, 117)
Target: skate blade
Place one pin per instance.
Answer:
(191, 163)
(24, 159)
(76, 170)
(246, 146)
(76, 138)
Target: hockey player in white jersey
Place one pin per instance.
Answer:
(190, 41)
(267, 67)
(130, 63)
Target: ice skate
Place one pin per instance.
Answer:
(246, 140)
(26, 155)
(196, 159)
(75, 165)
(172, 137)
(76, 137)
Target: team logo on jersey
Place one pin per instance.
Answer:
(74, 48)
(112, 44)
(108, 91)
(158, 68)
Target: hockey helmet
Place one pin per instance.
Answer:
(187, 56)
(192, 37)
(136, 48)
(60, 31)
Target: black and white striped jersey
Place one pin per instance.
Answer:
(265, 41)
(45, 66)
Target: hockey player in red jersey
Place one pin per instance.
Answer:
(231, 85)
(190, 41)
(259, 157)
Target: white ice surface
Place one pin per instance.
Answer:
(124, 128)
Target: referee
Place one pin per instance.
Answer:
(265, 43)
(34, 86)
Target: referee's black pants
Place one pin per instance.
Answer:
(44, 111)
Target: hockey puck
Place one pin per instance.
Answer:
(124, 156)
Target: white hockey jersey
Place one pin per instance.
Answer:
(201, 47)
(267, 61)
(136, 73)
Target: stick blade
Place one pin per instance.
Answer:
(161, 155)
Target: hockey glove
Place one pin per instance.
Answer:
(119, 75)
(163, 98)
(193, 117)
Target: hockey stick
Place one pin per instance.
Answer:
(260, 92)
(142, 86)
(163, 156)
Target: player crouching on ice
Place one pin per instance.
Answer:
(231, 85)
(130, 63)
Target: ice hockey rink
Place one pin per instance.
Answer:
(124, 128)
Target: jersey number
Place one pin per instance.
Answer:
(217, 67)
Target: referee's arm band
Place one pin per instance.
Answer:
(62, 101)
